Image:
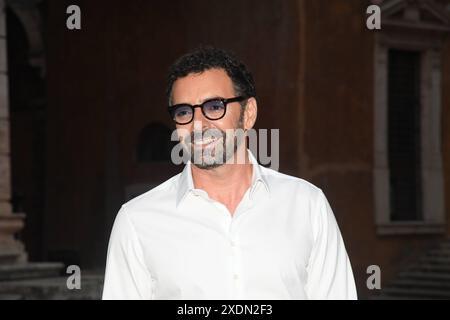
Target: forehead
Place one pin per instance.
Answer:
(197, 87)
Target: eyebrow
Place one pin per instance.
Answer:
(212, 98)
(202, 101)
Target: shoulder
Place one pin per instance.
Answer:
(283, 183)
(162, 195)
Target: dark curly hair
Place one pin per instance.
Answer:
(206, 58)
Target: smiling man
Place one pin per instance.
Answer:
(224, 229)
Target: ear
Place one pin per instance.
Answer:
(250, 113)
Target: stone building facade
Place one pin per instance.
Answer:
(335, 89)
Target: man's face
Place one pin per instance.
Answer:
(210, 143)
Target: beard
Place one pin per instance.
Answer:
(220, 148)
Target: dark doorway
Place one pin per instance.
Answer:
(27, 135)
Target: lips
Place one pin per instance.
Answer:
(207, 138)
(204, 142)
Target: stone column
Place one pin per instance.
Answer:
(11, 249)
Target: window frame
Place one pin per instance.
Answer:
(431, 145)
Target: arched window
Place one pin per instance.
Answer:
(154, 144)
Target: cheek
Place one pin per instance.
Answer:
(231, 119)
(183, 133)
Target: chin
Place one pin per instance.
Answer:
(211, 166)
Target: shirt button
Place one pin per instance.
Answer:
(233, 243)
(236, 277)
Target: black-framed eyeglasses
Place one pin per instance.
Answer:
(212, 109)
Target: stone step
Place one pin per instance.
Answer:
(428, 278)
(435, 268)
(30, 270)
(439, 252)
(443, 260)
(416, 293)
(11, 254)
(437, 255)
(10, 297)
(424, 275)
(424, 284)
(53, 289)
(387, 297)
(445, 244)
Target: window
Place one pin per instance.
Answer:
(154, 143)
(404, 147)
(408, 178)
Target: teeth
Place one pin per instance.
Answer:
(204, 141)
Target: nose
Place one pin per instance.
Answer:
(199, 122)
(198, 115)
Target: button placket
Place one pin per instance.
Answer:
(235, 260)
(231, 223)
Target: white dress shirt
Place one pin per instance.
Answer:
(282, 242)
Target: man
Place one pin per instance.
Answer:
(224, 229)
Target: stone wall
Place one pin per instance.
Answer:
(11, 250)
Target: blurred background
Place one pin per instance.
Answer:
(363, 114)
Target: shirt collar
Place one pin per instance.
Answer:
(186, 183)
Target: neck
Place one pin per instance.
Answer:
(226, 184)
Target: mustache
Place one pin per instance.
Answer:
(206, 133)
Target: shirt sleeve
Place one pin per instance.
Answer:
(330, 275)
(127, 276)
